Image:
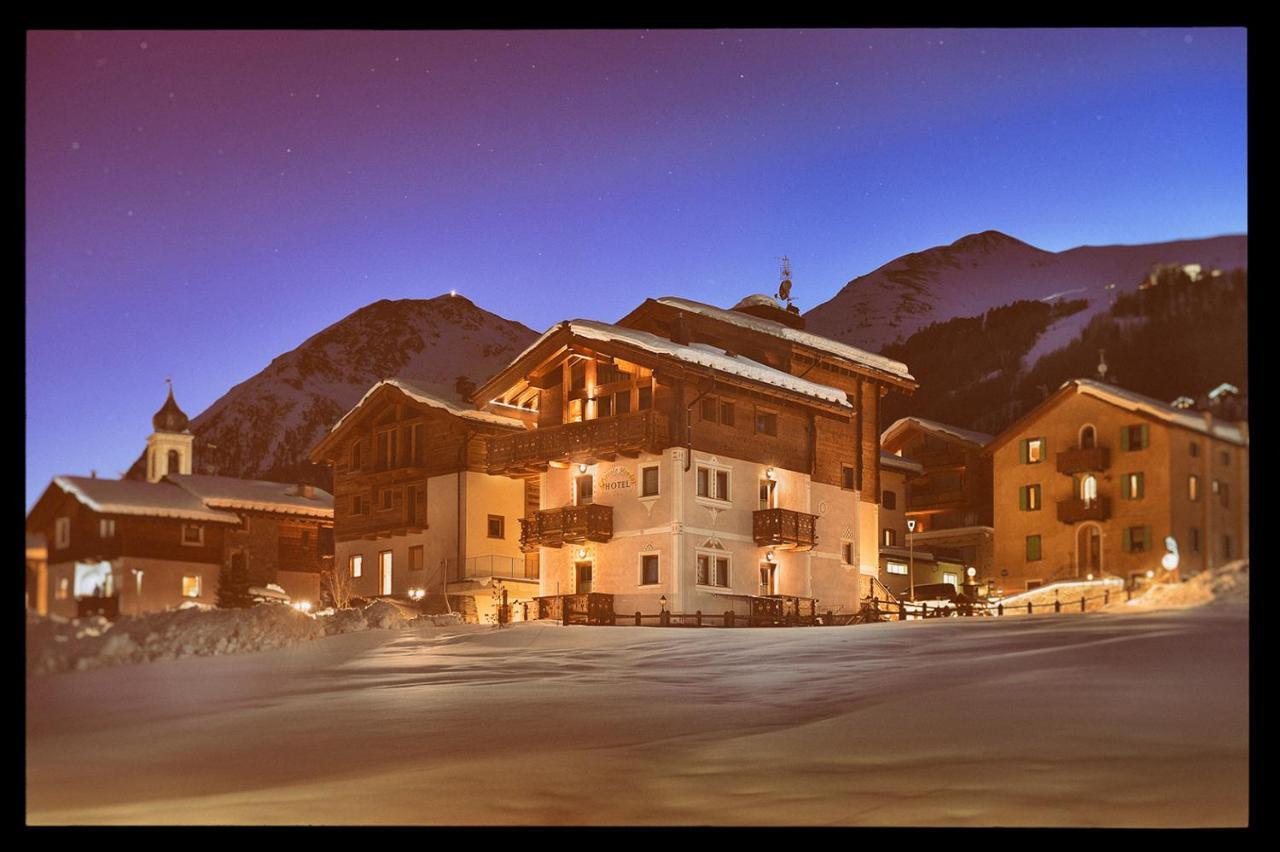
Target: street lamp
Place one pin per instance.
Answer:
(662, 602)
(911, 557)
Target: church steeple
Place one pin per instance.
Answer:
(170, 447)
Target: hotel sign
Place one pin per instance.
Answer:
(618, 479)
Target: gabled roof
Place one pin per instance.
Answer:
(698, 354)
(225, 492)
(967, 436)
(417, 394)
(129, 497)
(774, 328)
(1129, 401)
(902, 463)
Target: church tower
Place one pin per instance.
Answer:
(170, 446)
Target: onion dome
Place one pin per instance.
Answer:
(170, 418)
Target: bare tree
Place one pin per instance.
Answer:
(338, 580)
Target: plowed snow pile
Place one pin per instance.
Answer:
(57, 644)
(1226, 584)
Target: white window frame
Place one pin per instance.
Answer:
(199, 585)
(713, 495)
(712, 572)
(62, 532)
(640, 558)
(954, 581)
(386, 583)
(355, 564)
(197, 543)
(657, 468)
(897, 568)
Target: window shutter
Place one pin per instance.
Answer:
(1146, 536)
(1144, 437)
(1023, 448)
(1128, 539)
(1124, 487)
(1124, 439)
(1022, 498)
(1141, 486)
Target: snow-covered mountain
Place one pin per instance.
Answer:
(989, 269)
(264, 426)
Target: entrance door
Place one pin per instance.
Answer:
(768, 578)
(582, 577)
(1089, 551)
(384, 572)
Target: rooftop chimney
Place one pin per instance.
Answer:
(680, 330)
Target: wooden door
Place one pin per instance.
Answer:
(582, 577)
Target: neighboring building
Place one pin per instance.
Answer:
(131, 546)
(284, 535)
(900, 564)
(696, 456)
(1093, 480)
(415, 506)
(950, 501)
(37, 573)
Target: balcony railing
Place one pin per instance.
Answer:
(568, 525)
(608, 437)
(381, 522)
(1076, 510)
(930, 498)
(784, 528)
(503, 567)
(1082, 460)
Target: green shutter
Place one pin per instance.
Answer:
(1022, 498)
(1124, 486)
(1124, 438)
(1146, 539)
(1142, 489)
(1023, 447)
(1144, 437)
(1128, 540)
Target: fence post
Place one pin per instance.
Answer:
(728, 618)
(526, 610)
(924, 613)
(637, 618)
(1082, 603)
(697, 618)
(1057, 605)
(902, 611)
(1128, 594)
(1000, 608)
(564, 610)
(830, 618)
(1106, 597)
(664, 620)
(1029, 608)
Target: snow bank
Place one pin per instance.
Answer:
(57, 644)
(1226, 584)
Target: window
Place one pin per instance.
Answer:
(497, 526)
(357, 504)
(713, 483)
(722, 486)
(417, 557)
(608, 373)
(896, 568)
(768, 494)
(1193, 487)
(1217, 486)
(575, 411)
(766, 423)
(386, 449)
(1034, 584)
(604, 406)
(62, 532)
(64, 589)
(1226, 458)
(649, 481)
(846, 477)
(644, 399)
(1032, 450)
(384, 572)
(648, 569)
(622, 402)
(1088, 438)
(890, 537)
(1193, 540)
(578, 376)
(726, 413)
(1137, 539)
(1226, 547)
(417, 438)
(355, 456)
(889, 500)
(1194, 448)
(357, 565)
(192, 534)
(846, 552)
(1223, 493)
(190, 586)
(1033, 548)
(709, 407)
(713, 570)
(948, 577)
(1132, 486)
(584, 489)
(1134, 437)
(388, 498)
(704, 482)
(1089, 489)
(1029, 498)
(106, 528)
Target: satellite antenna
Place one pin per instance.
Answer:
(784, 288)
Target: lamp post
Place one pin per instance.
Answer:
(663, 618)
(911, 558)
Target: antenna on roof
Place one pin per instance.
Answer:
(784, 288)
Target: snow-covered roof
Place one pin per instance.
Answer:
(1133, 401)
(902, 463)
(419, 395)
(758, 300)
(705, 355)
(129, 497)
(1223, 388)
(225, 492)
(794, 335)
(978, 439)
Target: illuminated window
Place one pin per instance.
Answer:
(948, 577)
(106, 528)
(497, 527)
(713, 570)
(192, 534)
(648, 569)
(1132, 486)
(1032, 450)
(1029, 498)
(889, 500)
(649, 481)
(62, 532)
(768, 494)
(190, 586)
(584, 489)
(890, 537)
(63, 590)
(1033, 548)
(1089, 489)
(1193, 487)
(896, 568)
(357, 565)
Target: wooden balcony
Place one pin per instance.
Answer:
(784, 528)
(568, 525)
(1078, 460)
(935, 498)
(380, 523)
(586, 441)
(1073, 511)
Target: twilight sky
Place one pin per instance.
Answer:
(199, 203)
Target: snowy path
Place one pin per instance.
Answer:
(1094, 719)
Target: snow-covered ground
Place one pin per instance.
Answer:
(1095, 719)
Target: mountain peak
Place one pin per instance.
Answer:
(986, 241)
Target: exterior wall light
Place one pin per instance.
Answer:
(582, 468)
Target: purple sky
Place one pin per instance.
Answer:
(199, 203)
